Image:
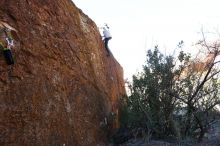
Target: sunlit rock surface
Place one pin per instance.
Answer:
(63, 84)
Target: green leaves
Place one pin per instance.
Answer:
(160, 91)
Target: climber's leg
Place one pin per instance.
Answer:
(106, 45)
(8, 56)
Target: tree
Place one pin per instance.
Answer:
(163, 90)
(151, 94)
(200, 92)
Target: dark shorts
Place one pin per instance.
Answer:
(8, 57)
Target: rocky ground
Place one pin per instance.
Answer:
(214, 142)
(211, 139)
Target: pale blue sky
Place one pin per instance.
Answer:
(138, 25)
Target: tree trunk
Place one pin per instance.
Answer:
(202, 129)
(188, 122)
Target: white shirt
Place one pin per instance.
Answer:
(106, 33)
(10, 43)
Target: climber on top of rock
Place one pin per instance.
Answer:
(6, 42)
(107, 36)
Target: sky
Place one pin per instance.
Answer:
(138, 25)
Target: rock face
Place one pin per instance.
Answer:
(63, 85)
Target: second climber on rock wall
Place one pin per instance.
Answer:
(107, 36)
(6, 42)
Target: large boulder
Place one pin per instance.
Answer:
(63, 85)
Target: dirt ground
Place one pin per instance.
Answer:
(212, 138)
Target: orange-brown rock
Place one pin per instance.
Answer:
(201, 65)
(62, 85)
